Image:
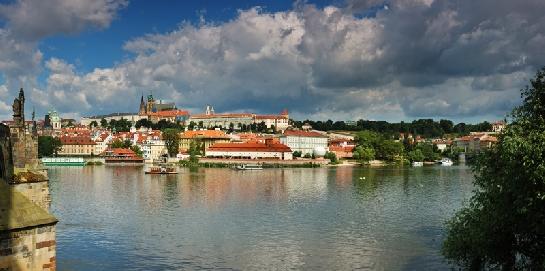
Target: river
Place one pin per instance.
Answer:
(117, 218)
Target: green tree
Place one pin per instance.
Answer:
(297, 154)
(123, 144)
(364, 154)
(194, 152)
(503, 226)
(389, 150)
(331, 156)
(172, 140)
(368, 139)
(143, 123)
(415, 156)
(48, 146)
(93, 124)
(137, 150)
(103, 123)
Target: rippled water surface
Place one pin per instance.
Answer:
(117, 218)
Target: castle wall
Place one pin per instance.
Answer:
(25, 148)
(6, 163)
(28, 249)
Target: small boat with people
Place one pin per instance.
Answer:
(249, 167)
(446, 162)
(161, 170)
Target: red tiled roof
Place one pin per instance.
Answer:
(271, 117)
(303, 133)
(79, 140)
(204, 134)
(249, 147)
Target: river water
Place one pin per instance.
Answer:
(117, 218)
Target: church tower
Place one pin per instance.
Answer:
(142, 111)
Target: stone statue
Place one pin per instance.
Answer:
(16, 107)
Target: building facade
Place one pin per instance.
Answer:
(304, 141)
(250, 150)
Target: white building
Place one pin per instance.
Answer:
(115, 116)
(304, 141)
(55, 120)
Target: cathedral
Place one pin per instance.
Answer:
(153, 106)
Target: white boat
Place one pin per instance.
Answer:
(417, 164)
(446, 162)
(249, 167)
(63, 161)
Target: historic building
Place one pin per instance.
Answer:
(304, 141)
(271, 149)
(27, 229)
(206, 138)
(237, 120)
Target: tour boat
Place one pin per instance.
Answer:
(446, 162)
(120, 156)
(63, 161)
(249, 167)
(417, 164)
(161, 170)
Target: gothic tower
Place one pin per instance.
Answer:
(142, 111)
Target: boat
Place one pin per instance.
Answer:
(417, 164)
(446, 162)
(249, 167)
(119, 156)
(161, 170)
(63, 161)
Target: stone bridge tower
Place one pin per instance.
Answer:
(27, 229)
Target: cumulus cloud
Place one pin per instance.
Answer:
(34, 20)
(403, 60)
(27, 22)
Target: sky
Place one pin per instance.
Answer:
(388, 60)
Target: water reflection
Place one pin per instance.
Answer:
(117, 218)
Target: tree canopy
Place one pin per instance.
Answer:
(503, 226)
(171, 137)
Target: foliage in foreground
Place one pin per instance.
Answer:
(503, 227)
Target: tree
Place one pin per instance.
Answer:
(143, 123)
(389, 150)
(93, 124)
(103, 123)
(415, 155)
(364, 154)
(194, 152)
(123, 144)
(172, 140)
(297, 154)
(368, 139)
(48, 146)
(137, 150)
(503, 227)
(331, 156)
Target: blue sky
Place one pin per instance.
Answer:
(101, 48)
(343, 59)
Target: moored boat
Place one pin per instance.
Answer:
(63, 161)
(119, 156)
(446, 162)
(161, 170)
(249, 167)
(417, 164)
